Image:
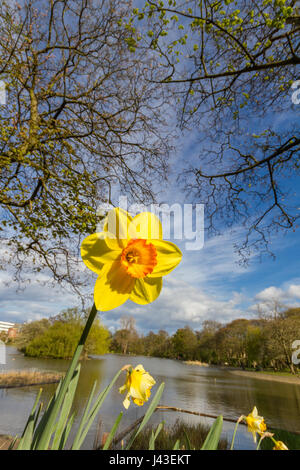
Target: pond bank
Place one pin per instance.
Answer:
(288, 379)
(266, 376)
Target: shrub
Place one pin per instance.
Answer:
(61, 338)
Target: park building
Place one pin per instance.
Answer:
(5, 326)
(10, 329)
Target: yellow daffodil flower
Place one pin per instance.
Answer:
(279, 445)
(137, 385)
(255, 423)
(130, 258)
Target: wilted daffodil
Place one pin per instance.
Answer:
(279, 445)
(137, 385)
(255, 423)
(130, 258)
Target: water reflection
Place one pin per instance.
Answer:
(208, 390)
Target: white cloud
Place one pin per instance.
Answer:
(178, 305)
(286, 296)
(294, 291)
(270, 293)
(34, 300)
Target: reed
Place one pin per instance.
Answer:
(22, 378)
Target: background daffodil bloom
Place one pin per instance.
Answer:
(130, 258)
(137, 385)
(279, 445)
(255, 423)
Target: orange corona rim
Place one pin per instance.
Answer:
(139, 258)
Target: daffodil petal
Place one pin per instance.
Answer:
(168, 257)
(123, 389)
(141, 384)
(116, 226)
(146, 383)
(126, 402)
(113, 287)
(146, 290)
(135, 392)
(95, 252)
(135, 384)
(139, 392)
(147, 225)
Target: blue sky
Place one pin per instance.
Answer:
(208, 284)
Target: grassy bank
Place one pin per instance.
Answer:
(192, 435)
(24, 378)
(272, 372)
(268, 375)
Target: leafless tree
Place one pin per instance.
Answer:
(80, 119)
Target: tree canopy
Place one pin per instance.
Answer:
(79, 118)
(230, 66)
(92, 87)
(58, 336)
(266, 342)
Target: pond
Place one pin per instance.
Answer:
(208, 390)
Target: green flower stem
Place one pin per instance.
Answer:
(259, 442)
(234, 433)
(45, 436)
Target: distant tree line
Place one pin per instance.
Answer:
(261, 343)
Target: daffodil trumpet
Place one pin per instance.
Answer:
(130, 258)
